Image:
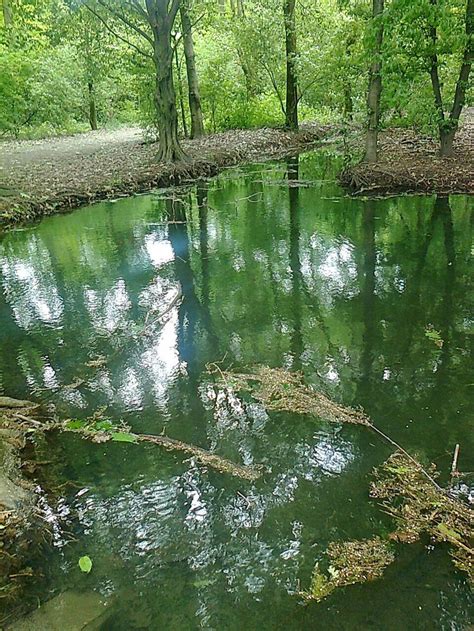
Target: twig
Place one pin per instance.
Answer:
(454, 465)
(405, 453)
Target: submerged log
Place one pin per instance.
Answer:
(202, 456)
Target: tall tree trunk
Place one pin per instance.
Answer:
(92, 107)
(7, 13)
(375, 85)
(291, 117)
(197, 124)
(161, 21)
(180, 92)
(8, 22)
(347, 87)
(449, 126)
(348, 103)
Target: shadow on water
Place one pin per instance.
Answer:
(371, 300)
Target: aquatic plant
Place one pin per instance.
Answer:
(350, 562)
(420, 508)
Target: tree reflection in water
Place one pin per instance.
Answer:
(272, 270)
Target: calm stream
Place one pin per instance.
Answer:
(276, 267)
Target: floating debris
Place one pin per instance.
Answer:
(418, 507)
(101, 431)
(350, 562)
(281, 390)
(284, 391)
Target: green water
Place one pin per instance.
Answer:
(287, 275)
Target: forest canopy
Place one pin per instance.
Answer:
(192, 66)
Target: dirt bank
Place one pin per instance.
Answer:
(409, 163)
(21, 528)
(43, 177)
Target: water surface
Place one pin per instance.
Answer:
(276, 267)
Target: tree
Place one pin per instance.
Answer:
(7, 13)
(448, 125)
(291, 113)
(161, 19)
(157, 17)
(197, 124)
(375, 84)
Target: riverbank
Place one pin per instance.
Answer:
(44, 177)
(39, 178)
(410, 163)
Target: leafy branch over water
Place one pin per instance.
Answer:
(284, 391)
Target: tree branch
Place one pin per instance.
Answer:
(115, 34)
(173, 11)
(467, 61)
(137, 8)
(126, 21)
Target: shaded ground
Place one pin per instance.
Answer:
(410, 163)
(46, 176)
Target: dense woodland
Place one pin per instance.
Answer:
(188, 67)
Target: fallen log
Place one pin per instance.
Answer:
(203, 456)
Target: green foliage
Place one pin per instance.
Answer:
(435, 336)
(56, 54)
(408, 97)
(123, 437)
(85, 564)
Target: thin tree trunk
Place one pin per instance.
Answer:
(375, 86)
(180, 92)
(348, 103)
(7, 14)
(347, 87)
(449, 126)
(92, 106)
(291, 75)
(197, 124)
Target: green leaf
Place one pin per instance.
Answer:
(75, 424)
(85, 563)
(434, 336)
(448, 532)
(103, 425)
(124, 437)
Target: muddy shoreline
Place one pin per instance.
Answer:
(39, 183)
(410, 164)
(42, 188)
